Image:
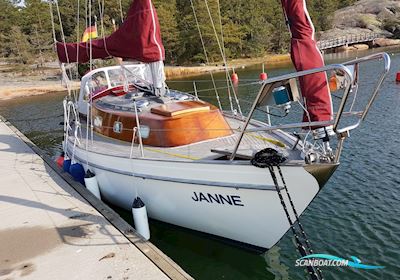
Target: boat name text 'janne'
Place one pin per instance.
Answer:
(234, 200)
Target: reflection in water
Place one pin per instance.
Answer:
(357, 212)
(275, 266)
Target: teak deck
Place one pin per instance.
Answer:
(176, 109)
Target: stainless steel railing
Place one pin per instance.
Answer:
(351, 85)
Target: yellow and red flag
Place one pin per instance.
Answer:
(90, 33)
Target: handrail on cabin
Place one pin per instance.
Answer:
(351, 82)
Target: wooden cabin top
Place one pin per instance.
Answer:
(171, 124)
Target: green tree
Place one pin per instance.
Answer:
(20, 46)
(35, 23)
(191, 43)
(250, 27)
(8, 17)
(167, 13)
(322, 12)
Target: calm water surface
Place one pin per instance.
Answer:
(356, 214)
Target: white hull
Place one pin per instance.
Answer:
(231, 199)
(244, 205)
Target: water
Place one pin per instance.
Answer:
(356, 214)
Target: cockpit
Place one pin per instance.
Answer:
(100, 80)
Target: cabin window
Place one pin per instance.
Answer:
(98, 121)
(144, 131)
(98, 82)
(86, 92)
(119, 76)
(116, 77)
(117, 128)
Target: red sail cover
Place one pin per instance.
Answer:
(305, 55)
(138, 38)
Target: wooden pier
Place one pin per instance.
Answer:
(53, 228)
(350, 39)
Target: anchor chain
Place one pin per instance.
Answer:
(270, 158)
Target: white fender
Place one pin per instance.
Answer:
(140, 219)
(92, 184)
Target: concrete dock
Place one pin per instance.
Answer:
(53, 229)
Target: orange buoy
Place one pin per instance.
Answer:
(263, 76)
(333, 83)
(235, 77)
(398, 77)
(60, 160)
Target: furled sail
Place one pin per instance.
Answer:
(305, 55)
(138, 38)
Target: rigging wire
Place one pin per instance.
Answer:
(52, 22)
(222, 31)
(77, 49)
(62, 29)
(120, 10)
(67, 78)
(227, 76)
(77, 35)
(229, 80)
(91, 68)
(66, 117)
(223, 47)
(101, 14)
(90, 38)
(86, 15)
(206, 56)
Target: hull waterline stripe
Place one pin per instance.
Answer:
(179, 180)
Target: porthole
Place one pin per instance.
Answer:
(98, 121)
(117, 128)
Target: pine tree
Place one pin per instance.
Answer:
(167, 14)
(8, 17)
(20, 46)
(36, 25)
(250, 27)
(322, 12)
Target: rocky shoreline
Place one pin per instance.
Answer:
(365, 17)
(378, 43)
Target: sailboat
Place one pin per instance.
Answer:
(190, 161)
